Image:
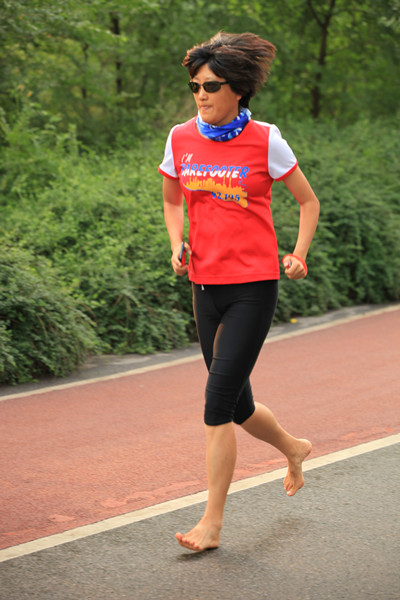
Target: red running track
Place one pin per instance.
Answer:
(76, 456)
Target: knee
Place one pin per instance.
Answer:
(219, 406)
(219, 416)
(226, 404)
(215, 415)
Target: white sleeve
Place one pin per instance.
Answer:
(167, 166)
(281, 159)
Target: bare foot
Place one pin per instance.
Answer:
(294, 479)
(201, 537)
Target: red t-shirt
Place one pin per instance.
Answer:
(227, 187)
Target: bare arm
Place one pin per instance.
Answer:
(298, 185)
(174, 220)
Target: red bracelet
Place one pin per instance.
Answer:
(303, 262)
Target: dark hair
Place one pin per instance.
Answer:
(242, 59)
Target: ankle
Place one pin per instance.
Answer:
(299, 450)
(210, 521)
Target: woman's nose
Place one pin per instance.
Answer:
(202, 93)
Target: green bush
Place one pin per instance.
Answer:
(100, 225)
(42, 329)
(354, 257)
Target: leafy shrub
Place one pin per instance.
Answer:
(100, 225)
(42, 329)
(354, 257)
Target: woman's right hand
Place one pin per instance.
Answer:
(176, 263)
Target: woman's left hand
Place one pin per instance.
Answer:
(294, 267)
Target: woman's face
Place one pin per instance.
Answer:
(218, 108)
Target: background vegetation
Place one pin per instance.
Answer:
(88, 92)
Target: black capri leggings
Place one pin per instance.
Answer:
(232, 323)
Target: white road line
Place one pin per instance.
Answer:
(173, 505)
(193, 358)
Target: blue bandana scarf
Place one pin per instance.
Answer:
(224, 132)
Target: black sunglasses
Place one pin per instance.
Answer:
(209, 86)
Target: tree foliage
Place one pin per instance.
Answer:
(113, 67)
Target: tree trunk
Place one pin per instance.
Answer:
(324, 23)
(85, 48)
(115, 29)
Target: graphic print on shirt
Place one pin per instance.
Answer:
(202, 177)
